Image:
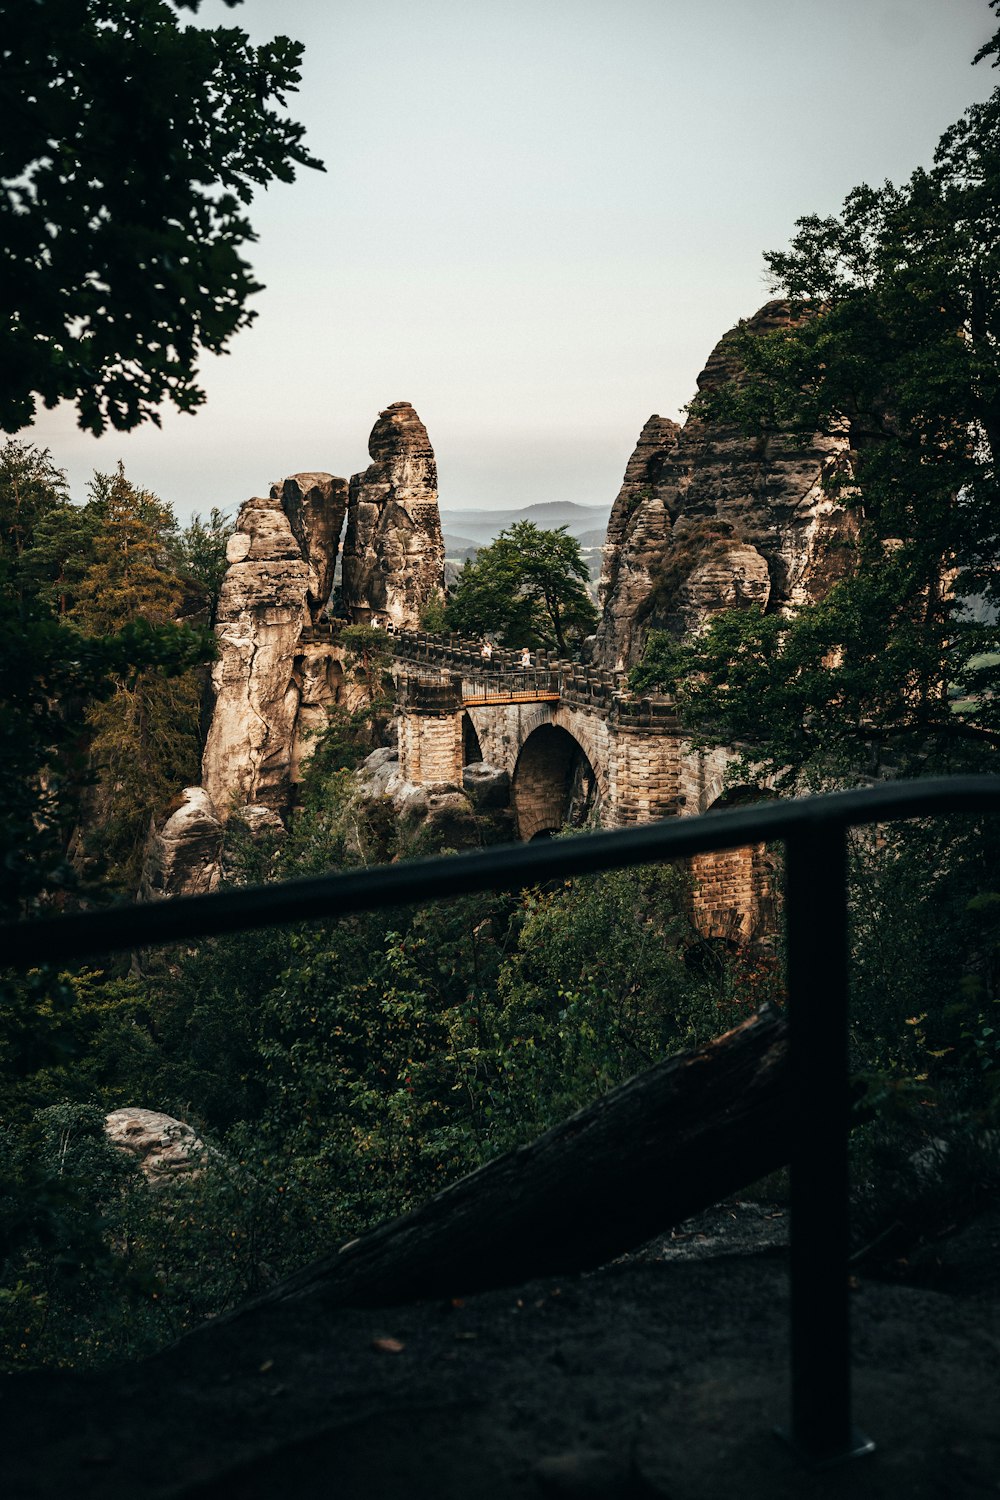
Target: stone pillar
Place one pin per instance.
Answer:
(644, 774)
(430, 734)
(734, 894)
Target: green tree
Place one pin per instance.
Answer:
(71, 637)
(528, 588)
(128, 574)
(145, 737)
(45, 540)
(201, 556)
(131, 147)
(31, 489)
(71, 1044)
(895, 345)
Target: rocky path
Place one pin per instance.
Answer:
(661, 1375)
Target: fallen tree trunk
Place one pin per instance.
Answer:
(661, 1147)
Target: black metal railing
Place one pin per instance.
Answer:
(813, 830)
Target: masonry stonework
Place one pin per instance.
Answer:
(734, 893)
(574, 745)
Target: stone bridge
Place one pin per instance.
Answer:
(576, 747)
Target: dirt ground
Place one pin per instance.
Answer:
(662, 1375)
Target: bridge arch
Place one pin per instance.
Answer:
(472, 750)
(554, 783)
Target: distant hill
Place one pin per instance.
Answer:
(483, 525)
(460, 547)
(593, 538)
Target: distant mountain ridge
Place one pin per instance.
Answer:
(481, 526)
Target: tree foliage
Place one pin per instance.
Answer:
(527, 588)
(86, 594)
(144, 736)
(199, 556)
(85, 637)
(342, 1071)
(895, 345)
(127, 574)
(131, 147)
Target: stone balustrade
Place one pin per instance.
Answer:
(576, 683)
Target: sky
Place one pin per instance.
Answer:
(536, 221)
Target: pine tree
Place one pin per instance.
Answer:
(146, 743)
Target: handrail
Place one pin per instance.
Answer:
(507, 868)
(814, 831)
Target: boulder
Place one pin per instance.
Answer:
(451, 821)
(164, 1147)
(183, 855)
(486, 786)
(261, 822)
(251, 836)
(377, 770)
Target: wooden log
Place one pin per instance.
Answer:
(663, 1146)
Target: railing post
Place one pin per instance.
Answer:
(821, 1431)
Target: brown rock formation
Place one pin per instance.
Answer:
(183, 857)
(393, 549)
(724, 520)
(638, 531)
(315, 505)
(166, 1148)
(263, 607)
(276, 677)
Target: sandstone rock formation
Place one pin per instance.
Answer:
(166, 1148)
(263, 608)
(638, 530)
(315, 505)
(718, 520)
(277, 675)
(393, 549)
(183, 857)
(486, 786)
(438, 812)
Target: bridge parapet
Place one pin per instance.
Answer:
(503, 678)
(431, 697)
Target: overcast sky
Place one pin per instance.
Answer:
(536, 220)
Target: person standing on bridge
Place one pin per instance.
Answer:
(525, 658)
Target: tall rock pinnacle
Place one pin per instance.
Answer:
(263, 608)
(393, 548)
(277, 674)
